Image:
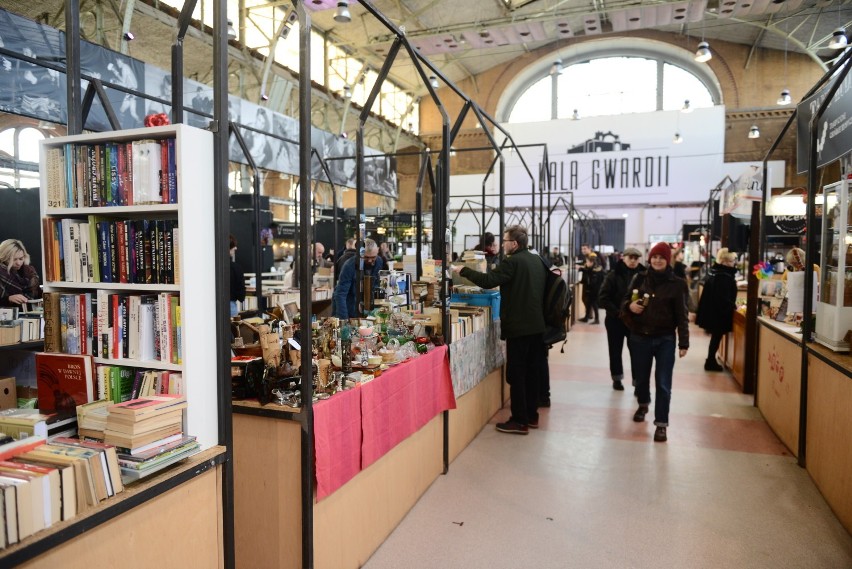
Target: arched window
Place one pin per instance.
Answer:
(19, 157)
(595, 79)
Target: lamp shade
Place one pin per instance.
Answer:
(702, 54)
(754, 132)
(784, 98)
(838, 39)
(342, 15)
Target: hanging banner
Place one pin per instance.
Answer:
(621, 159)
(737, 197)
(835, 125)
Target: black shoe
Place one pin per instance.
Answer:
(533, 424)
(544, 402)
(640, 413)
(596, 322)
(660, 435)
(712, 365)
(617, 385)
(582, 319)
(513, 428)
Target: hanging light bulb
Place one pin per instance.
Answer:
(575, 116)
(677, 138)
(347, 92)
(784, 98)
(702, 54)
(342, 15)
(754, 132)
(232, 33)
(433, 81)
(556, 68)
(838, 39)
(686, 107)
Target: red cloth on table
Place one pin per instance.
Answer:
(402, 401)
(337, 440)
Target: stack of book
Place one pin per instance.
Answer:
(92, 419)
(145, 421)
(23, 423)
(138, 463)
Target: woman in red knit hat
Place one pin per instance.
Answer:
(653, 319)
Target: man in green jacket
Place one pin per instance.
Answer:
(521, 278)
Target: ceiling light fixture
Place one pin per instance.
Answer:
(677, 138)
(433, 81)
(264, 97)
(556, 68)
(232, 33)
(754, 132)
(686, 108)
(342, 15)
(575, 116)
(347, 92)
(702, 54)
(784, 98)
(129, 36)
(838, 39)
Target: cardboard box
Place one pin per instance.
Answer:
(8, 395)
(10, 334)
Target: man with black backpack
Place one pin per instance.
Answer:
(521, 278)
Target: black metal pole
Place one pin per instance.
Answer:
(183, 22)
(72, 67)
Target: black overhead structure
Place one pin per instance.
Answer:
(183, 22)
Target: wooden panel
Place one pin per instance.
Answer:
(779, 384)
(178, 529)
(353, 522)
(473, 410)
(829, 457)
(738, 344)
(267, 493)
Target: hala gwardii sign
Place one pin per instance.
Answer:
(623, 159)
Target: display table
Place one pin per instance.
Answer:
(734, 348)
(828, 457)
(355, 428)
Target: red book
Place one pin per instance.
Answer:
(122, 252)
(20, 446)
(64, 381)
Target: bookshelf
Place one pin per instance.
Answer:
(187, 263)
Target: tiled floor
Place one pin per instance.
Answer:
(590, 488)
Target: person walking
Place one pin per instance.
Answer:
(521, 277)
(613, 291)
(717, 304)
(653, 321)
(591, 279)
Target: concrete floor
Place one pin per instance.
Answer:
(590, 488)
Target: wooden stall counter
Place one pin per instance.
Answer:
(779, 379)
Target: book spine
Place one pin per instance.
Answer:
(52, 326)
(121, 247)
(172, 171)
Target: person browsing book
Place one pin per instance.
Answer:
(19, 281)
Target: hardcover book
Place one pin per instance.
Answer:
(64, 381)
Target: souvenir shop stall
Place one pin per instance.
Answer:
(802, 361)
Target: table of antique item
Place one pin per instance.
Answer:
(355, 428)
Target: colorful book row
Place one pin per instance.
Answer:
(141, 172)
(137, 251)
(145, 327)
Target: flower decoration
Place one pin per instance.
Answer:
(159, 119)
(763, 270)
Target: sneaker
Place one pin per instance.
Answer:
(513, 428)
(533, 424)
(712, 365)
(660, 435)
(640, 413)
(617, 385)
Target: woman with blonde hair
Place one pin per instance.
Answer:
(19, 281)
(717, 304)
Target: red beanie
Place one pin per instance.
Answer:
(663, 250)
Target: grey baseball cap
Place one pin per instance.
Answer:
(632, 251)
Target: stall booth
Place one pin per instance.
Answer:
(803, 365)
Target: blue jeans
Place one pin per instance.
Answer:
(234, 310)
(643, 351)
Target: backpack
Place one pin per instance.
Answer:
(557, 304)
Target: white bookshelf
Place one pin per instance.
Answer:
(195, 256)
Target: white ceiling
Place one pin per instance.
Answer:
(465, 37)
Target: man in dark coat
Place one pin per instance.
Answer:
(717, 304)
(613, 291)
(520, 276)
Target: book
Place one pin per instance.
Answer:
(132, 442)
(110, 453)
(23, 423)
(47, 478)
(149, 406)
(20, 446)
(131, 427)
(86, 495)
(24, 504)
(52, 329)
(9, 501)
(67, 483)
(64, 381)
